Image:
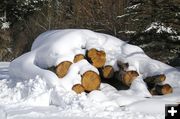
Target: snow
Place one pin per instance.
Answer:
(30, 91)
(160, 27)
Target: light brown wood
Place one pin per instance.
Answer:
(155, 79)
(107, 72)
(90, 81)
(163, 89)
(97, 58)
(62, 68)
(128, 77)
(78, 88)
(78, 57)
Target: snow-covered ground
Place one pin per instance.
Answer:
(29, 91)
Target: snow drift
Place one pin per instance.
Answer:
(31, 84)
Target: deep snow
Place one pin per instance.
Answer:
(31, 91)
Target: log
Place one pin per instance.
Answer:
(78, 88)
(153, 91)
(78, 58)
(107, 72)
(155, 79)
(96, 58)
(62, 68)
(163, 89)
(90, 81)
(128, 77)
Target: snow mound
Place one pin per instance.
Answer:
(31, 84)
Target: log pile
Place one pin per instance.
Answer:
(90, 80)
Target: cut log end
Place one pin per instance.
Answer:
(62, 68)
(97, 58)
(164, 89)
(155, 79)
(78, 57)
(128, 77)
(107, 72)
(90, 81)
(78, 88)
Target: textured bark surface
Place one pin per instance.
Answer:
(155, 79)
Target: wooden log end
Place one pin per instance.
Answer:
(78, 88)
(128, 77)
(97, 58)
(107, 72)
(155, 79)
(78, 57)
(62, 68)
(90, 81)
(164, 89)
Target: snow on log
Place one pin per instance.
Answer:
(107, 72)
(90, 81)
(97, 58)
(78, 57)
(163, 89)
(155, 79)
(128, 77)
(62, 68)
(78, 88)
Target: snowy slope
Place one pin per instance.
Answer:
(33, 92)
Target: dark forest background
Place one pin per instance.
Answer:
(21, 21)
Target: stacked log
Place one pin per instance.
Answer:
(90, 81)
(78, 58)
(96, 58)
(78, 88)
(155, 79)
(107, 72)
(128, 77)
(62, 68)
(163, 89)
(153, 83)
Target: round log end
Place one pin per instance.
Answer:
(167, 89)
(62, 68)
(97, 58)
(107, 72)
(162, 77)
(128, 77)
(90, 81)
(78, 88)
(78, 58)
(164, 89)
